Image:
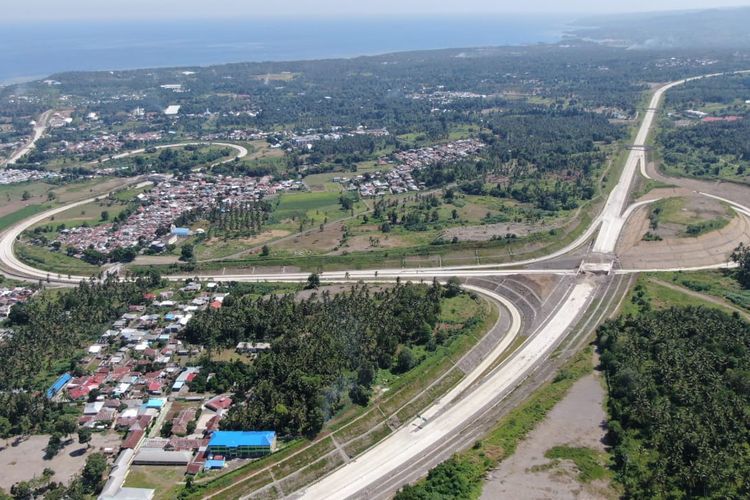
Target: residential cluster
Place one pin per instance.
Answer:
(395, 181)
(11, 296)
(450, 152)
(400, 179)
(139, 385)
(152, 223)
(99, 143)
(13, 176)
(444, 96)
(311, 136)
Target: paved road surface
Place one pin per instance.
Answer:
(241, 151)
(39, 128)
(411, 440)
(443, 421)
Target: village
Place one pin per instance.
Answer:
(152, 223)
(399, 179)
(15, 176)
(12, 296)
(135, 382)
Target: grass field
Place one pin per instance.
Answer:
(718, 283)
(54, 262)
(161, 478)
(19, 215)
(692, 221)
(311, 208)
(90, 213)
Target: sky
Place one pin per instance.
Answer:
(114, 10)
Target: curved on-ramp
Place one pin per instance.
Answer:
(241, 151)
(451, 413)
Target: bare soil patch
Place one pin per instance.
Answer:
(314, 241)
(500, 230)
(376, 241)
(578, 420)
(708, 249)
(155, 260)
(26, 460)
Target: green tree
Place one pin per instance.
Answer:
(84, 436)
(66, 425)
(22, 491)
(453, 287)
(741, 256)
(187, 252)
(265, 251)
(5, 427)
(104, 216)
(313, 282)
(93, 472)
(360, 395)
(405, 361)
(54, 445)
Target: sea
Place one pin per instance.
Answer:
(32, 50)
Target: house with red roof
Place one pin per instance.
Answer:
(78, 392)
(132, 439)
(219, 403)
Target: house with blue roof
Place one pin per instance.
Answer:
(155, 403)
(181, 232)
(58, 385)
(242, 444)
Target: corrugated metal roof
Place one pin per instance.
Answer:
(155, 456)
(234, 439)
(59, 383)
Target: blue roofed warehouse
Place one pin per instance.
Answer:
(242, 444)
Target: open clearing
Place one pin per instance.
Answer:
(676, 249)
(158, 477)
(578, 420)
(219, 248)
(26, 461)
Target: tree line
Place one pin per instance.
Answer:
(679, 393)
(325, 349)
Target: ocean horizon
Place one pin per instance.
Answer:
(37, 50)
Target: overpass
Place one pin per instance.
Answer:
(486, 386)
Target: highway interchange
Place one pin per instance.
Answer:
(586, 294)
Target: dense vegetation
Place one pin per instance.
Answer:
(679, 387)
(704, 149)
(708, 148)
(324, 348)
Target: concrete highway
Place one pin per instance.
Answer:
(440, 421)
(480, 388)
(241, 151)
